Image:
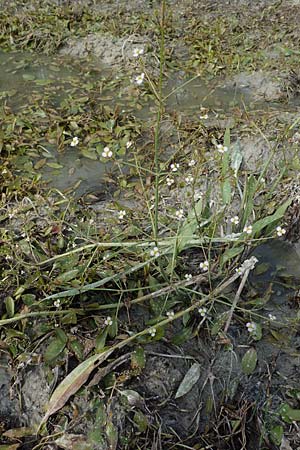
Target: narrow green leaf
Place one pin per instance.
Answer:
(273, 219)
(189, 380)
(231, 253)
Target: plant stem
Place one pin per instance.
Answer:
(159, 116)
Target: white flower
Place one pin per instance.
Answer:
(139, 79)
(122, 214)
(129, 144)
(154, 252)
(108, 321)
(170, 314)
(57, 303)
(170, 181)
(152, 332)
(271, 317)
(174, 167)
(202, 311)
(280, 231)
(235, 220)
(179, 214)
(205, 116)
(138, 52)
(198, 196)
(251, 326)
(239, 270)
(248, 229)
(204, 266)
(107, 153)
(188, 276)
(192, 163)
(222, 148)
(189, 179)
(75, 141)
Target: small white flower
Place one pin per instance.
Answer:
(198, 196)
(222, 148)
(129, 144)
(235, 220)
(154, 252)
(271, 317)
(280, 231)
(57, 303)
(138, 52)
(179, 214)
(105, 257)
(174, 167)
(204, 266)
(239, 270)
(152, 332)
(192, 163)
(122, 214)
(202, 311)
(139, 79)
(205, 116)
(248, 229)
(170, 314)
(108, 321)
(170, 181)
(189, 179)
(107, 153)
(251, 326)
(75, 141)
(188, 276)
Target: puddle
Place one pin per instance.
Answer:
(27, 79)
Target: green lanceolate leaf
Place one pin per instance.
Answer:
(72, 383)
(249, 361)
(189, 380)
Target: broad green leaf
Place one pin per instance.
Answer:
(257, 334)
(184, 335)
(89, 153)
(249, 361)
(218, 323)
(66, 276)
(10, 306)
(276, 434)
(289, 414)
(140, 421)
(28, 77)
(56, 346)
(189, 380)
(72, 383)
(138, 358)
(54, 165)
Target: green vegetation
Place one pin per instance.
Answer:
(162, 250)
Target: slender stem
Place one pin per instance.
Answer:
(158, 117)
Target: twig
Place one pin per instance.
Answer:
(248, 265)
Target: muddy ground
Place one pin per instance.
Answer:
(246, 54)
